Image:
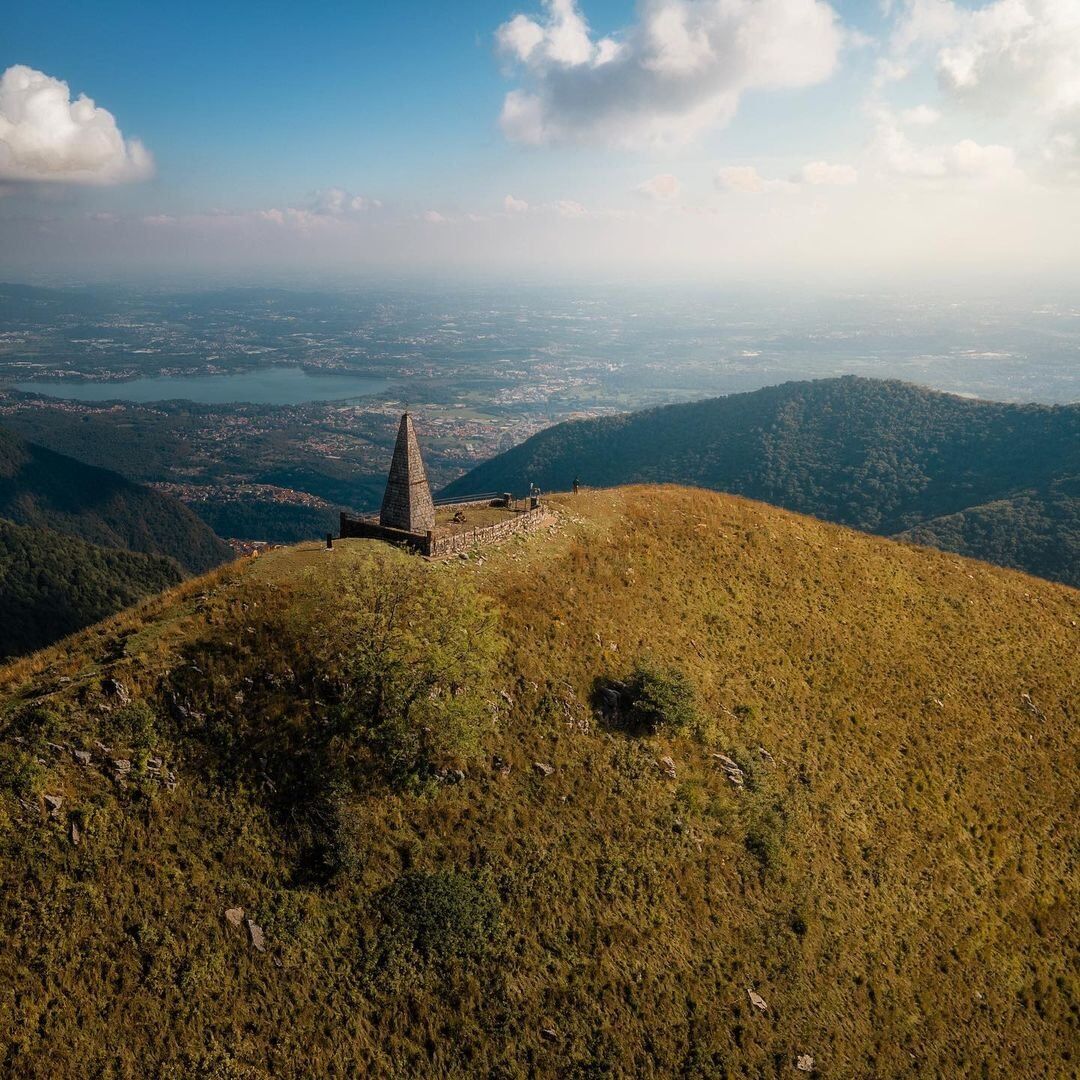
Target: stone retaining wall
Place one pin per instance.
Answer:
(484, 536)
(435, 546)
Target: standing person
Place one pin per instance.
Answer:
(577, 485)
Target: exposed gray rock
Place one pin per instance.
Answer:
(543, 768)
(667, 765)
(804, 1063)
(731, 769)
(757, 1000)
(234, 916)
(255, 930)
(83, 757)
(117, 691)
(1031, 706)
(53, 804)
(550, 1034)
(76, 834)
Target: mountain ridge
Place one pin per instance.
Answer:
(52, 584)
(45, 489)
(852, 794)
(878, 455)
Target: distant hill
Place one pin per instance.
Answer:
(994, 481)
(47, 490)
(680, 785)
(52, 584)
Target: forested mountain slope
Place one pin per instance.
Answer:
(681, 785)
(52, 584)
(882, 456)
(47, 490)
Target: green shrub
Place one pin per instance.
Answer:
(764, 838)
(344, 850)
(661, 698)
(410, 658)
(442, 915)
(20, 773)
(133, 726)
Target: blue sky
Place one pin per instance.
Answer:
(256, 109)
(385, 97)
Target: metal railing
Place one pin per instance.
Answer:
(451, 499)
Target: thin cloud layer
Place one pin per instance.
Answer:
(46, 137)
(663, 188)
(679, 70)
(1019, 57)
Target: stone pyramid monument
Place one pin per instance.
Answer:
(407, 503)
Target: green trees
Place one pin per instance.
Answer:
(409, 656)
(41, 488)
(52, 585)
(986, 479)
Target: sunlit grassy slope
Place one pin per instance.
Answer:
(897, 878)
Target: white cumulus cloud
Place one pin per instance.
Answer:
(822, 173)
(1018, 57)
(515, 206)
(746, 180)
(680, 69)
(897, 155)
(45, 136)
(663, 188)
(337, 201)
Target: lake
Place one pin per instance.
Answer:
(271, 386)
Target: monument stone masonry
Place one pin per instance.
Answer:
(407, 501)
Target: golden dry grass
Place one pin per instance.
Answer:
(899, 883)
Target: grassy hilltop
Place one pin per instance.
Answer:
(347, 746)
(990, 480)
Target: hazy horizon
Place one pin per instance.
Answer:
(795, 142)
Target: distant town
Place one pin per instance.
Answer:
(481, 372)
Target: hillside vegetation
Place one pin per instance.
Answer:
(52, 585)
(555, 810)
(47, 490)
(993, 481)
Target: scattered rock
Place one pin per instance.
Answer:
(53, 804)
(122, 767)
(609, 699)
(804, 1063)
(543, 768)
(550, 1034)
(765, 755)
(1031, 707)
(234, 916)
(255, 930)
(731, 769)
(500, 766)
(117, 690)
(76, 834)
(507, 698)
(668, 767)
(83, 757)
(757, 1000)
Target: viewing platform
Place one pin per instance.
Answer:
(411, 518)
